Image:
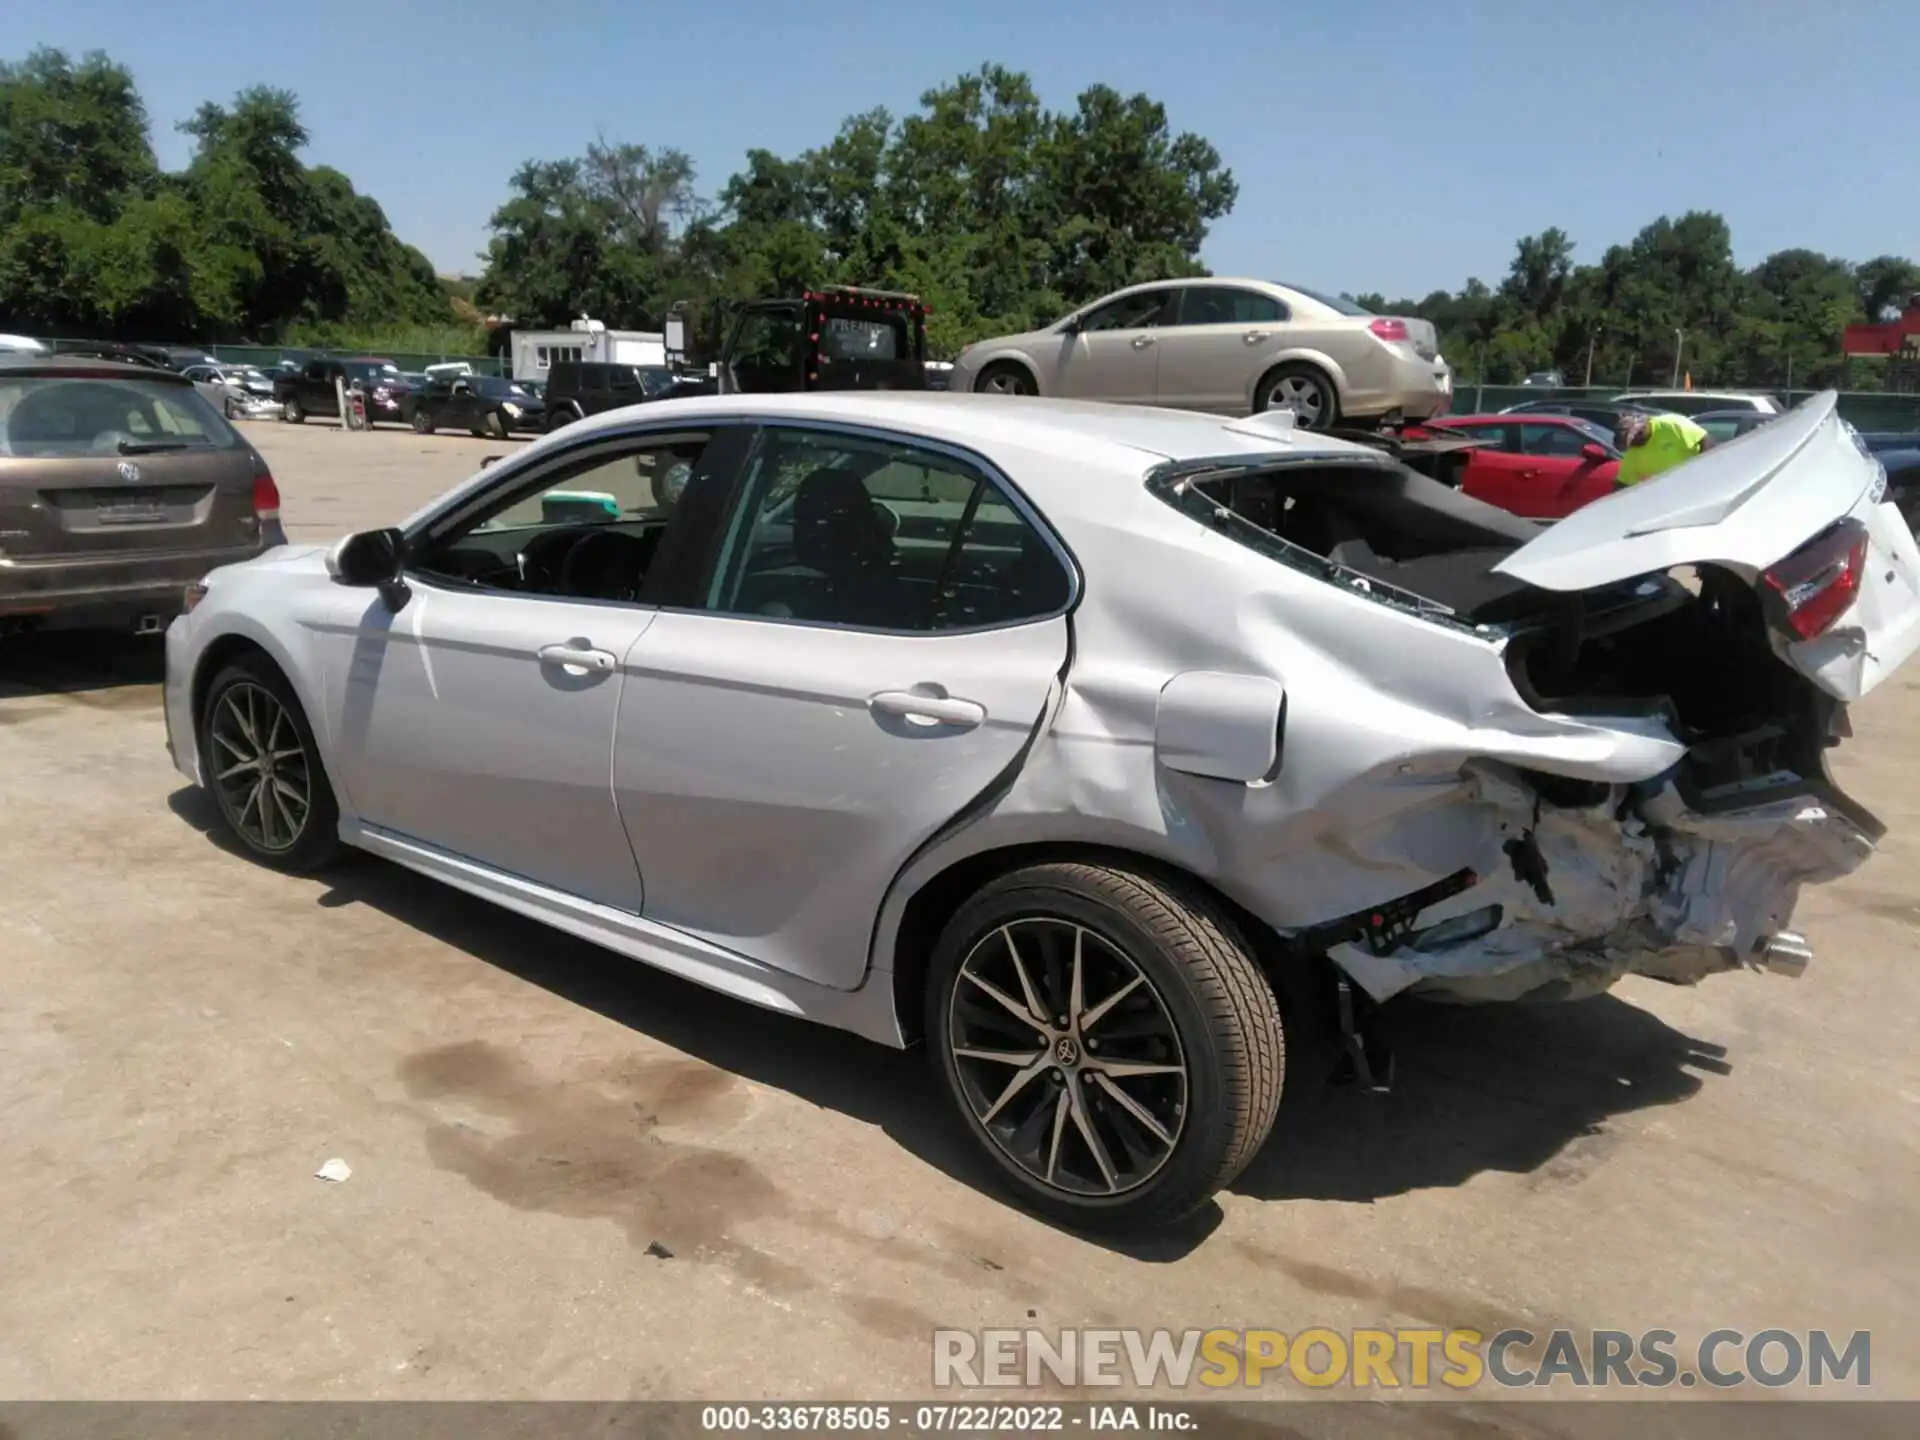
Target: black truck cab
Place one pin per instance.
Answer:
(839, 337)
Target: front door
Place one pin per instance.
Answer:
(877, 644)
(1114, 354)
(479, 716)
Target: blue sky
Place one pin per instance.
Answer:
(1379, 144)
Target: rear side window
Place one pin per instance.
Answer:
(881, 535)
(1222, 305)
(55, 416)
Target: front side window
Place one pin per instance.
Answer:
(884, 535)
(588, 528)
(1565, 441)
(1129, 312)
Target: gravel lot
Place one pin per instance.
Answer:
(573, 1177)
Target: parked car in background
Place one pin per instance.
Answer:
(1089, 746)
(1230, 347)
(119, 486)
(1878, 440)
(236, 389)
(1724, 425)
(311, 391)
(1551, 379)
(181, 357)
(1543, 467)
(1700, 402)
(579, 388)
(21, 345)
(1604, 413)
(484, 404)
(117, 351)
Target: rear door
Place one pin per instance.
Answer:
(1798, 508)
(1215, 345)
(119, 467)
(858, 671)
(1497, 472)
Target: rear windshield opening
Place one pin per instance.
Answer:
(50, 416)
(1378, 528)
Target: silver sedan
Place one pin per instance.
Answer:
(1108, 752)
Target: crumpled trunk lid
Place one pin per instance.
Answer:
(1745, 507)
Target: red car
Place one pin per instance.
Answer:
(1544, 467)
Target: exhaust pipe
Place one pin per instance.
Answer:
(1786, 953)
(148, 625)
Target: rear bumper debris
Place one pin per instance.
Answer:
(1585, 897)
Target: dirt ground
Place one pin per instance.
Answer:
(574, 1177)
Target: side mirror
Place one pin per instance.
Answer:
(486, 460)
(1070, 327)
(372, 557)
(1594, 450)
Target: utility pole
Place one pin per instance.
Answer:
(1587, 384)
(1679, 344)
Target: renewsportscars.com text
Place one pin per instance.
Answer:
(1383, 1359)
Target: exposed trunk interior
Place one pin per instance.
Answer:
(1691, 649)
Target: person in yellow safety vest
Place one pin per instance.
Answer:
(1652, 444)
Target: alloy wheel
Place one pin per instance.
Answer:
(1068, 1056)
(1003, 382)
(261, 771)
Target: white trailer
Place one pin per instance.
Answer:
(535, 351)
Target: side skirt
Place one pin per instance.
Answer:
(867, 1012)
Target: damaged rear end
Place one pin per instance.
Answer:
(1733, 607)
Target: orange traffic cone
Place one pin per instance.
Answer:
(1689, 379)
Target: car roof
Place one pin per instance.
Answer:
(1081, 439)
(84, 367)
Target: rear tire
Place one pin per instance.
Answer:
(263, 767)
(1005, 378)
(291, 412)
(1186, 1088)
(1306, 389)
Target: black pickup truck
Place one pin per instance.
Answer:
(310, 391)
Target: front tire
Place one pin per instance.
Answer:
(422, 423)
(496, 425)
(291, 412)
(1005, 378)
(1109, 1040)
(1306, 390)
(260, 760)
(559, 418)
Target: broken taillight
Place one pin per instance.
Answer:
(1813, 587)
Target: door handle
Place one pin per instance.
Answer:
(1140, 342)
(577, 655)
(1254, 337)
(929, 709)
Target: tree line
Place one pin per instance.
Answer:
(1002, 213)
